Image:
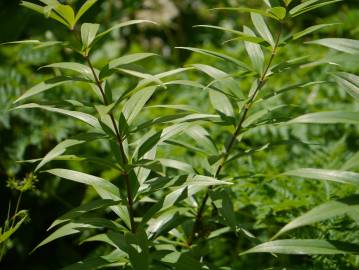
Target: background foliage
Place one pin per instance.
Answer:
(267, 203)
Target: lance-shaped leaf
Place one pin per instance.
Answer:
(176, 164)
(76, 67)
(75, 227)
(145, 82)
(68, 229)
(308, 6)
(311, 29)
(48, 84)
(88, 34)
(350, 82)
(128, 59)
(39, 44)
(254, 51)
(165, 222)
(84, 117)
(116, 257)
(59, 149)
(88, 4)
(322, 212)
(252, 119)
(302, 6)
(40, 9)
(346, 45)
(105, 189)
(217, 55)
(149, 77)
(223, 80)
(305, 247)
(327, 175)
(6, 234)
(203, 139)
(262, 28)
(240, 35)
(191, 185)
(119, 26)
(221, 103)
(335, 117)
(136, 102)
(277, 13)
(83, 209)
(135, 245)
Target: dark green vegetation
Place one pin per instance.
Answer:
(160, 146)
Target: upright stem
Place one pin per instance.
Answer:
(229, 147)
(16, 209)
(121, 148)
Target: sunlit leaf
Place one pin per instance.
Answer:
(305, 247)
(322, 212)
(327, 175)
(346, 45)
(335, 117)
(262, 28)
(350, 82)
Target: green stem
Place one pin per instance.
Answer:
(121, 148)
(16, 209)
(229, 147)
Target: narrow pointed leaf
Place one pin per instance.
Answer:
(40, 9)
(106, 188)
(84, 117)
(311, 29)
(135, 104)
(223, 80)
(262, 28)
(346, 45)
(304, 247)
(221, 102)
(88, 34)
(335, 117)
(327, 175)
(241, 35)
(323, 212)
(254, 51)
(258, 11)
(83, 209)
(88, 4)
(217, 55)
(59, 149)
(307, 8)
(128, 59)
(350, 83)
(46, 85)
(76, 67)
(120, 25)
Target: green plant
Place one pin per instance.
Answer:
(14, 221)
(165, 210)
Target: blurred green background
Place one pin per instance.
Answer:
(264, 206)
